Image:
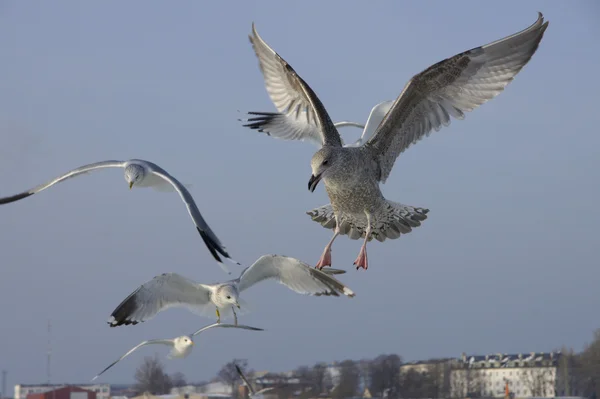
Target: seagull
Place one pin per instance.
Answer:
(253, 393)
(181, 346)
(352, 174)
(173, 290)
(140, 173)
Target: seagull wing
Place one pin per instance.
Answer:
(168, 342)
(294, 274)
(75, 172)
(210, 238)
(243, 377)
(451, 88)
(301, 114)
(162, 292)
(226, 326)
(376, 115)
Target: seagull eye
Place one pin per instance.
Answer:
(325, 162)
(228, 297)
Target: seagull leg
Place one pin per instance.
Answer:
(234, 316)
(361, 260)
(218, 316)
(325, 259)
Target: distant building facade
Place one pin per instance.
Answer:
(23, 390)
(68, 392)
(522, 375)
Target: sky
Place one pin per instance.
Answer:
(507, 260)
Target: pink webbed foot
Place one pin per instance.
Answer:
(325, 259)
(361, 260)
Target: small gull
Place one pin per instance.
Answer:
(181, 346)
(252, 393)
(140, 173)
(173, 290)
(352, 174)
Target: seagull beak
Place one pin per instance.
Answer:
(314, 180)
(192, 342)
(238, 305)
(130, 185)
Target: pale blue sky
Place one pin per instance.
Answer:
(506, 262)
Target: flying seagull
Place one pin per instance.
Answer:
(181, 346)
(352, 174)
(173, 290)
(140, 173)
(253, 393)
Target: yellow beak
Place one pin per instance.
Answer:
(130, 185)
(192, 342)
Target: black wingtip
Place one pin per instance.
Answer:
(259, 122)
(213, 247)
(7, 200)
(120, 316)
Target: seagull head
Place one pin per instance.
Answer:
(182, 346)
(134, 173)
(322, 163)
(228, 296)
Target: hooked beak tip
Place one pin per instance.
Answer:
(130, 185)
(313, 182)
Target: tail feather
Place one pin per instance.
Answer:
(391, 222)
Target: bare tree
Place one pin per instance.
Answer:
(385, 375)
(416, 384)
(589, 368)
(439, 373)
(229, 375)
(349, 379)
(150, 377)
(178, 380)
(464, 382)
(318, 378)
(538, 380)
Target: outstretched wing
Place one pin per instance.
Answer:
(451, 88)
(375, 117)
(301, 115)
(210, 238)
(168, 342)
(162, 292)
(243, 377)
(294, 274)
(226, 326)
(75, 172)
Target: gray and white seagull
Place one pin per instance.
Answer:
(173, 290)
(140, 173)
(181, 346)
(352, 174)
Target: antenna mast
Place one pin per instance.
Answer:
(49, 355)
(3, 393)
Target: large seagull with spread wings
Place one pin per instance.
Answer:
(352, 173)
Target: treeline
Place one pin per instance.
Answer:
(577, 374)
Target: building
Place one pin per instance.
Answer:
(23, 390)
(525, 375)
(212, 389)
(68, 392)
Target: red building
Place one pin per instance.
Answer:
(68, 392)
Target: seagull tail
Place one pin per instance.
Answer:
(393, 220)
